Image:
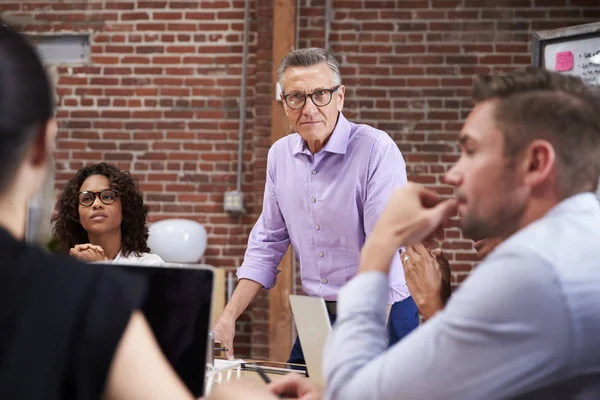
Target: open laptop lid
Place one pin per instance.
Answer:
(177, 306)
(313, 324)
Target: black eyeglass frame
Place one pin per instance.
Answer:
(310, 95)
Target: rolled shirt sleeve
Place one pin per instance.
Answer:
(269, 238)
(387, 170)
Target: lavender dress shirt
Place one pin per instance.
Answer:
(325, 204)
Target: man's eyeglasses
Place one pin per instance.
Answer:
(106, 196)
(320, 98)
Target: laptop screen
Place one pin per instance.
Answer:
(178, 308)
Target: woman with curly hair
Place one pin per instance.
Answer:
(102, 217)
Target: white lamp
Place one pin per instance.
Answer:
(178, 240)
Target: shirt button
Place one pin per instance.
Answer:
(317, 227)
(323, 280)
(314, 200)
(314, 171)
(321, 254)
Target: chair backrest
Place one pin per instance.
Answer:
(219, 294)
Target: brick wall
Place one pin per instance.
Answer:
(160, 95)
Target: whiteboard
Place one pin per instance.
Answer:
(582, 50)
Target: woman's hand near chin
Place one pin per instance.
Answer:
(88, 253)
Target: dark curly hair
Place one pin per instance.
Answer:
(134, 231)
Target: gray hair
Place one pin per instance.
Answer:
(306, 58)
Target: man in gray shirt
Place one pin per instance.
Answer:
(526, 323)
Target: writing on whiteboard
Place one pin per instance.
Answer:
(590, 71)
(584, 62)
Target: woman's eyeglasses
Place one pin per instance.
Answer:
(106, 196)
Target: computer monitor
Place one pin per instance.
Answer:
(177, 305)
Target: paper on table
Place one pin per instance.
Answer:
(226, 364)
(223, 371)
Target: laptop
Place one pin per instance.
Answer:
(177, 305)
(312, 322)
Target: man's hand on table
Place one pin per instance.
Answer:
(294, 386)
(247, 389)
(224, 331)
(413, 215)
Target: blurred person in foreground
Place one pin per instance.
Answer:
(68, 330)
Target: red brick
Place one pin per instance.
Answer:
(10, 6)
(139, 125)
(115, 114)
(104, 81)
(198, 60)
(117, 71)
(135, 60)
(171, 82)
(175, 114)
(96, 59)
(213, 26)
(148, 70)
(495, 59)
(219, 4)
(182, 26)
(179, 71)
(136, 81)
(84, 114)
(200, 15)
(167, 16)
(150, 49)
(181, 49)
(119, 5)
(87, 156)
(154, 26)
(73, 80)
(166, 60)
(152, 4)
(135, 16)
(101, 145)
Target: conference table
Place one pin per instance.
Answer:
(226, 371)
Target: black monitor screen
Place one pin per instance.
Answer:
(178, 308)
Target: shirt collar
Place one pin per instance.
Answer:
(337, 143)
(586, 202)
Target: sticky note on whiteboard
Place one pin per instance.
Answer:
(564, 61)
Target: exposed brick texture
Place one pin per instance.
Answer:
(160, 96)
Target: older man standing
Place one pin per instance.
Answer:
(326, 185)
